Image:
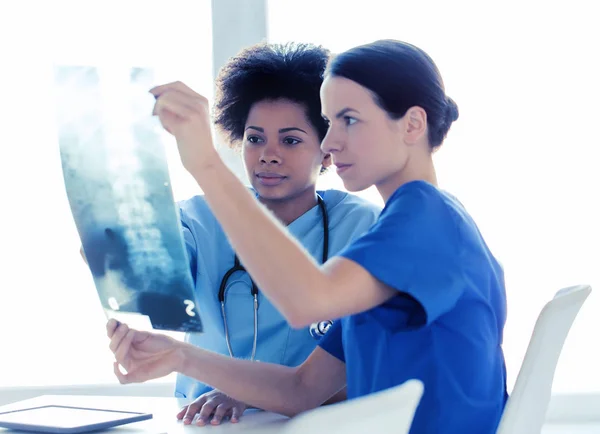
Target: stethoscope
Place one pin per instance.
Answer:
(317, 330)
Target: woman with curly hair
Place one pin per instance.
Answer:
(267, 105)
(419, 296)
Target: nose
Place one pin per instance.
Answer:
(270, 154)
(331, 143)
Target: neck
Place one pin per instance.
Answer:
(289, 209)
(417, 168)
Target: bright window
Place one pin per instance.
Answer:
(523, 156)
(51, 322)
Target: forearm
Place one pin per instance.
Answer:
(266, 386)
(254, 236)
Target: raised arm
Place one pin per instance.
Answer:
(300, 289)
(303, 291)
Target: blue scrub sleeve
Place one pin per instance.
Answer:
(332, 341)
(190, 247)
(415, 249)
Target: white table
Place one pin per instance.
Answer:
(163, 410)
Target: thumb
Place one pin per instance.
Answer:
(129, 377)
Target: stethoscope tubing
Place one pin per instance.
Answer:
(254, 290)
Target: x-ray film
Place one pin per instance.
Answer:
(117, 182)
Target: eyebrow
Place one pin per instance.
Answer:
(281, 131)
(342, 112)
(287, 130)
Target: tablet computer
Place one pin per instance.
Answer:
(61, 419)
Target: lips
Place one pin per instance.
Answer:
(270, 178)
(341, 168)
(269, 175)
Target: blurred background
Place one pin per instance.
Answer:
(523, 157)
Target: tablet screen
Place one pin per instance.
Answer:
(59, 417)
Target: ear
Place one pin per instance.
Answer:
(415, 127)
(326, 161)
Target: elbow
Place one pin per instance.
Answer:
(298, 319)
(304, 318)
(290, 412)
(303, 314)
(312, 307)
(300, 400)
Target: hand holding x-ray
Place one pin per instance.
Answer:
(185, 114)
(144, 355)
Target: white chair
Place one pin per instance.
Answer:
(526, 408)
(389, 411)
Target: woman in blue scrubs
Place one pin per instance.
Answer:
(267, 105)
(420, 295)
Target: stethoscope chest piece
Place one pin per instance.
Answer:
(318, 329)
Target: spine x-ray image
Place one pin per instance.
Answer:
(117, 182)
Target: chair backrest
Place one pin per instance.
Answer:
(526, 408)
(389, 411)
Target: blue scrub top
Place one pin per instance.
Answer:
(211, 256)
(444, 327)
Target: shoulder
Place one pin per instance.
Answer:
(416, 197)
(420, 209)
(420, 199)
(197, 207)
(346, 205)
(195, 211)
(193, 205)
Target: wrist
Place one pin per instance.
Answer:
(182, 357)
(206, 165)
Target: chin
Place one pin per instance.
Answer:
(355, 185)
(270, 193)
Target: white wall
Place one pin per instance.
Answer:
(15, 394)
(523, 156)
(524, 75)
(51, 323)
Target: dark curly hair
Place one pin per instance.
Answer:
(269, 72)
